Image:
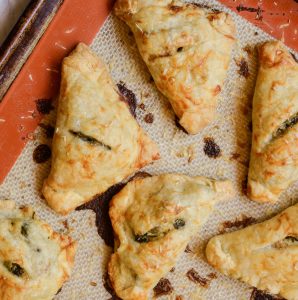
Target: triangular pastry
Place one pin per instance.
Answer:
(35, 261)
(264, 255)
(187, 50)
(274, 153)
(97, 142)
(154, 219)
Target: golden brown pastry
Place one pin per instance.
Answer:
(97, 142)
(187, 50)
(35, 261)
(274, 153)
(154, 219)
(264, 255)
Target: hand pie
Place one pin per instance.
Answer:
(154, 219)
(187, 51)
(264, 255)
(97, 142)
(35, 261)
(274, 154)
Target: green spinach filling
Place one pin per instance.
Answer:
(24, 229)
(154, 233)
(89, 139)
(14, 268)
(289, 123)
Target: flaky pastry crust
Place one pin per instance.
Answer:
(187, 50)
(35, 261)
(274, 154)
(154, 219)
(264, 255)
(97, 142)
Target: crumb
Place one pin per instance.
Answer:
(188, 249)
(240, 222)
(194, 276)
(243, 67)
(149, 118)
(23, 184)
(164, 287)
(44, 106)
(211, 149)
(92, 283)
(186, 152)
(128, 96)
(142, 106)
(212, 275)
(65, 224)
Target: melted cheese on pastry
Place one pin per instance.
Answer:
(263, 255)
(97, 142)
(274, 154)
(187, 51)
(34, 260)
(153, 220)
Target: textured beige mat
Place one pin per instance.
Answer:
(180, 153)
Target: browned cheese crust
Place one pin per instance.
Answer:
(264, 255)
(35, 261)
(154, 219)
(97, 142)
(274, 154)
(187, 50)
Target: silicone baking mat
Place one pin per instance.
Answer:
(180, 153)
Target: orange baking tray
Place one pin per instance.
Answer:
(79, 20)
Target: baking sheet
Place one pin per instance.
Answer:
(180, 153)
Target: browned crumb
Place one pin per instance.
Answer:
(194, 276)
(188, 249)
(164, 287)
(142, 106)
(240, 222)
(128, 96)
(243, 67)
(212, 275)
(65, 224)
(149, 118)
(211, 149)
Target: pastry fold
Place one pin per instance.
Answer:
(97, 141)
(187, 50)
(264, 255)
(154, 219)
(35, 261)
(274, 153)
